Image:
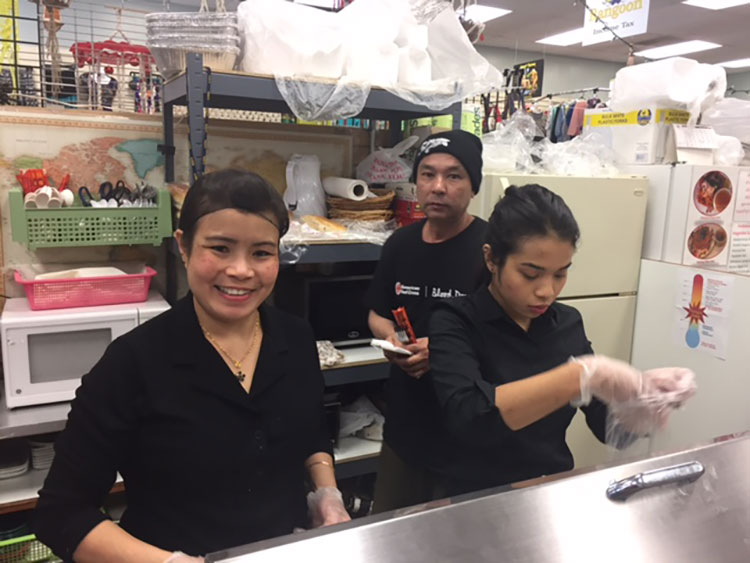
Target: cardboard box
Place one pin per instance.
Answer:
(641, 136)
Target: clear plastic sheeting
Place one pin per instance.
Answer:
(676, 82)
(664, 390)
(511, 148)
(296, 241)
(326, 62)
(729, 151)
(320, 101)
(424, 11)
(731, 117)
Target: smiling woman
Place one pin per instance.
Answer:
(212, 412)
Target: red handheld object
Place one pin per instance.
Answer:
(402, 320)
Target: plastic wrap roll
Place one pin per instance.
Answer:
(348, 188)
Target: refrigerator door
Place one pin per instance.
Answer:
(610, 212)
(720, 406)
(693, 506)
(609, 326)
(659, 183)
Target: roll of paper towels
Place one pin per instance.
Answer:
(348, 188)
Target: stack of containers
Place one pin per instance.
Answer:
(172, 35)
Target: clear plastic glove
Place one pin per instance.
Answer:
(664, 391)
(326, 506)
(179, 557)
(607, 379)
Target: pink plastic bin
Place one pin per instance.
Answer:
(86, 292)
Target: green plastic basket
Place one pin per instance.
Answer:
(90, 226)
(25, 549)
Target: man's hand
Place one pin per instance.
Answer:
(415, 365)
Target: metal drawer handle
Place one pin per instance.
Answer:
(677, 474)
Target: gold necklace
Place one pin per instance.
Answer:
(237, 363)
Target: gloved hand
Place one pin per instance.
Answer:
(607, 379)
(326, 506)
(179, 557)
(664, 390)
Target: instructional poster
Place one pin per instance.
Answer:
(703, 303)
(713, 192)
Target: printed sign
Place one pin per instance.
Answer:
(702, 307)
(624, 17)
(532, 77)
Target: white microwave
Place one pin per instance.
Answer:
(45, 353)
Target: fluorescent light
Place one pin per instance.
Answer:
(716, 4)
(677, 49)
(480, 13)
(738, 63)
(565, 38)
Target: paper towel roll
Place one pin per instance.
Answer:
(349, 188)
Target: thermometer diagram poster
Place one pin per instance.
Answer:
(702, 311)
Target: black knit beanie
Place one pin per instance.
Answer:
(464, 146)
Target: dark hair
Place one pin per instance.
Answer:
(529, 211)
(230, 189)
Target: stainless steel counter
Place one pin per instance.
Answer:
(703, 516)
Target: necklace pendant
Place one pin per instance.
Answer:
(240, 376)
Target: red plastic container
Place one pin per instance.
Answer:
(86, 292)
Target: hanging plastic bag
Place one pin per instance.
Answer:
(386, 165)
(304, 193)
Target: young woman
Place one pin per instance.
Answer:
(508, 361)
(211, 412)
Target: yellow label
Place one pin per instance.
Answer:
(638, 117)
(672, 116)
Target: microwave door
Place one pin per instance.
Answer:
(46, 365)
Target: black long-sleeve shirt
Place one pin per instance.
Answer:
(475, 347)
(206, 465)
(415, 274)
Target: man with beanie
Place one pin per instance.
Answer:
(437, 258)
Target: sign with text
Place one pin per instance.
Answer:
(624, 17)
(532, 77)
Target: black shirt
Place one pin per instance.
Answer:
(475, 347)
(206, 465)
(415, 274)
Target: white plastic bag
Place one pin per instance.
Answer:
(730, 116)
(729, 151)
(386, 165)
(304, 193)
(676, 82)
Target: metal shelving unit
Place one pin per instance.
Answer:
(198, 88)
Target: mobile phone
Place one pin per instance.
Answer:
(406, 333)
(385, 345)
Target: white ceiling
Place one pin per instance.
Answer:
(670, 21)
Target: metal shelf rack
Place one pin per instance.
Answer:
(199, 88)
(233, 90)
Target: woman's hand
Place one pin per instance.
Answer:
(609, 380)
(664, 391)
(179, 557)
(326, 507)
(415, 365)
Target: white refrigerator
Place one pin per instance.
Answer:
(697, 215)
(603, 280)
(697, 318)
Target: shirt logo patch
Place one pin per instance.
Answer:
(427, 146)
(402, 289)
